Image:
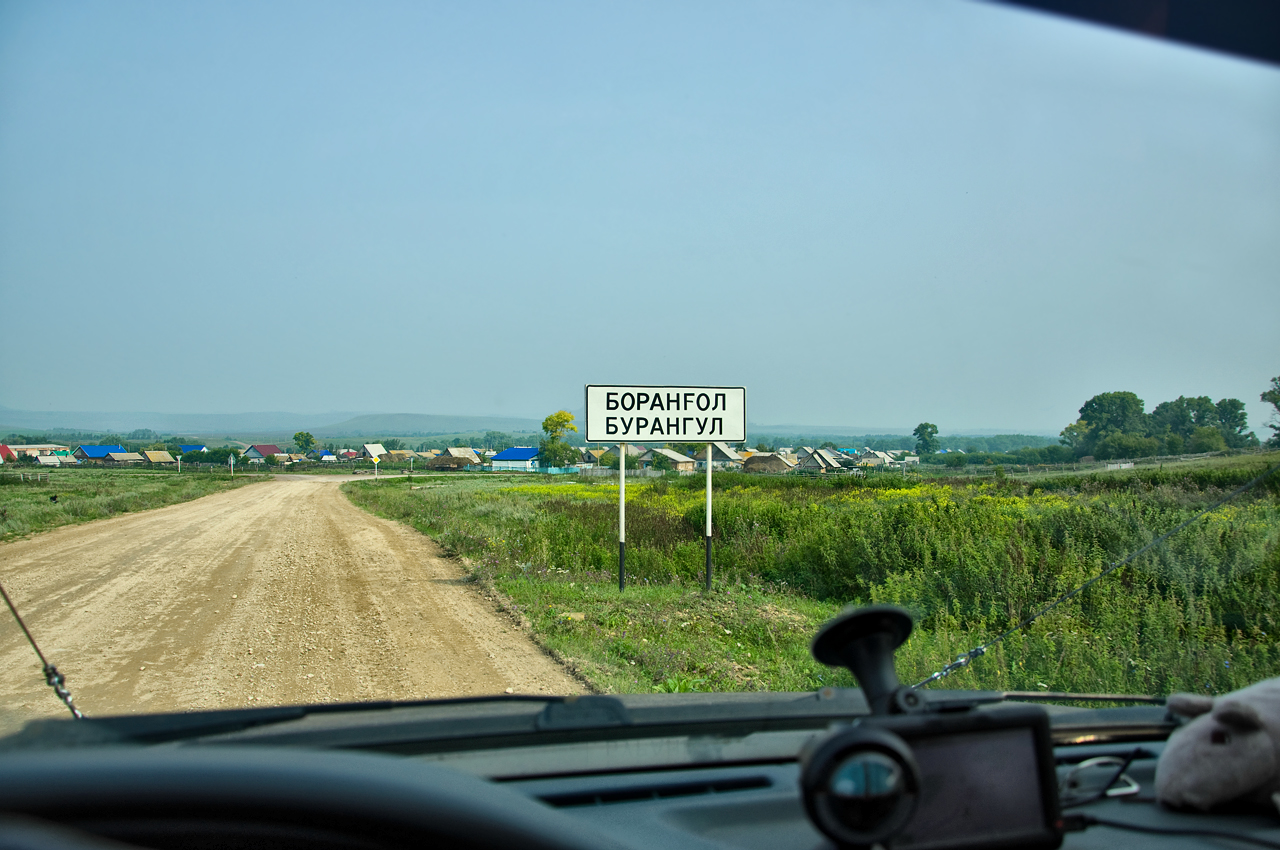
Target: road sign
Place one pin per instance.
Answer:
(657, 414)
(377, 460)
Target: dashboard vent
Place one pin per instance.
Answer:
(655, 792)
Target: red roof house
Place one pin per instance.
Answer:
(260, 452)
(6, 454)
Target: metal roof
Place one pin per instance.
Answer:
(516, 454)
(99, 451)
(185, 449)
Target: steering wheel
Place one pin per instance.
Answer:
(253, 796)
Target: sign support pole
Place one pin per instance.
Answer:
(622, 516)
(708, 585)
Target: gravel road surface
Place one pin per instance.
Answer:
(278, 593)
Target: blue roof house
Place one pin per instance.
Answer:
(517, 460)
(96, 453)
(185, 449)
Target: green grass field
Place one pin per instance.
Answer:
(89, 494)
(968, 559)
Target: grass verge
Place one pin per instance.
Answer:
(26, 507)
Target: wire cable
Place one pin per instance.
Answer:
(52, 677)
(1090, 820)
(979, 651)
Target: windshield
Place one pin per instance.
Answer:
(301, 301)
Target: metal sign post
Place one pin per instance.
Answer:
(708, 584)
(376, 460)
(660, 414)
(622, 516)
(231, 459)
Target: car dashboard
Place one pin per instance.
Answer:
(672, 770)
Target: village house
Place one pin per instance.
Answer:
(95, 454)
(819, 460)
(679, 462)
(371, 450)
(722, 457)
(768, 462)
(873, 458)
(518, 459)
(259, 453)
(159, 457)
(185, 449)
(122, 458)
(591, 457)
(7, 455)
(38, 449)
(454, 457)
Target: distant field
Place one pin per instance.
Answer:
(1225, 460)
(970, 559)
(89, 494)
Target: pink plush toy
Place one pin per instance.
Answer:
(1229, 752)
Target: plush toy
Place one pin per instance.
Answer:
(1229, 752)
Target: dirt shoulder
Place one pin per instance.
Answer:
(281, 593)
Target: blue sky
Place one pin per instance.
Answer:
(868, 213)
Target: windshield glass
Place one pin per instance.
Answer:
(301, 300)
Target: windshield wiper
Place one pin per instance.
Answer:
(166, 728)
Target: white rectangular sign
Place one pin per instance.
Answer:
(632, 414)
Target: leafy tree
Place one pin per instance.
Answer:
(1120, 412)
(1075, 436)
(610, 461)
(496, 440)
(1207, 439)
(393, 444)
(954, 460)
(1174, 444)
(829, 445)
(1233, 422)
(553, 450)
(1272, 397)
(763, 447)
(1121, 445)
(926, 434)
(304, 442)
(661, 461)
(558, 424)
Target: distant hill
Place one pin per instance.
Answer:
(164, 423)
(423, 425)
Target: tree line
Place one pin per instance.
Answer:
(1117, 425)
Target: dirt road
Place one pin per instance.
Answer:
(278, 593)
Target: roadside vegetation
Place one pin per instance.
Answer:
(970, 558)
(27, 506)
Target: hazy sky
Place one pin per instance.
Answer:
(868, 213)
